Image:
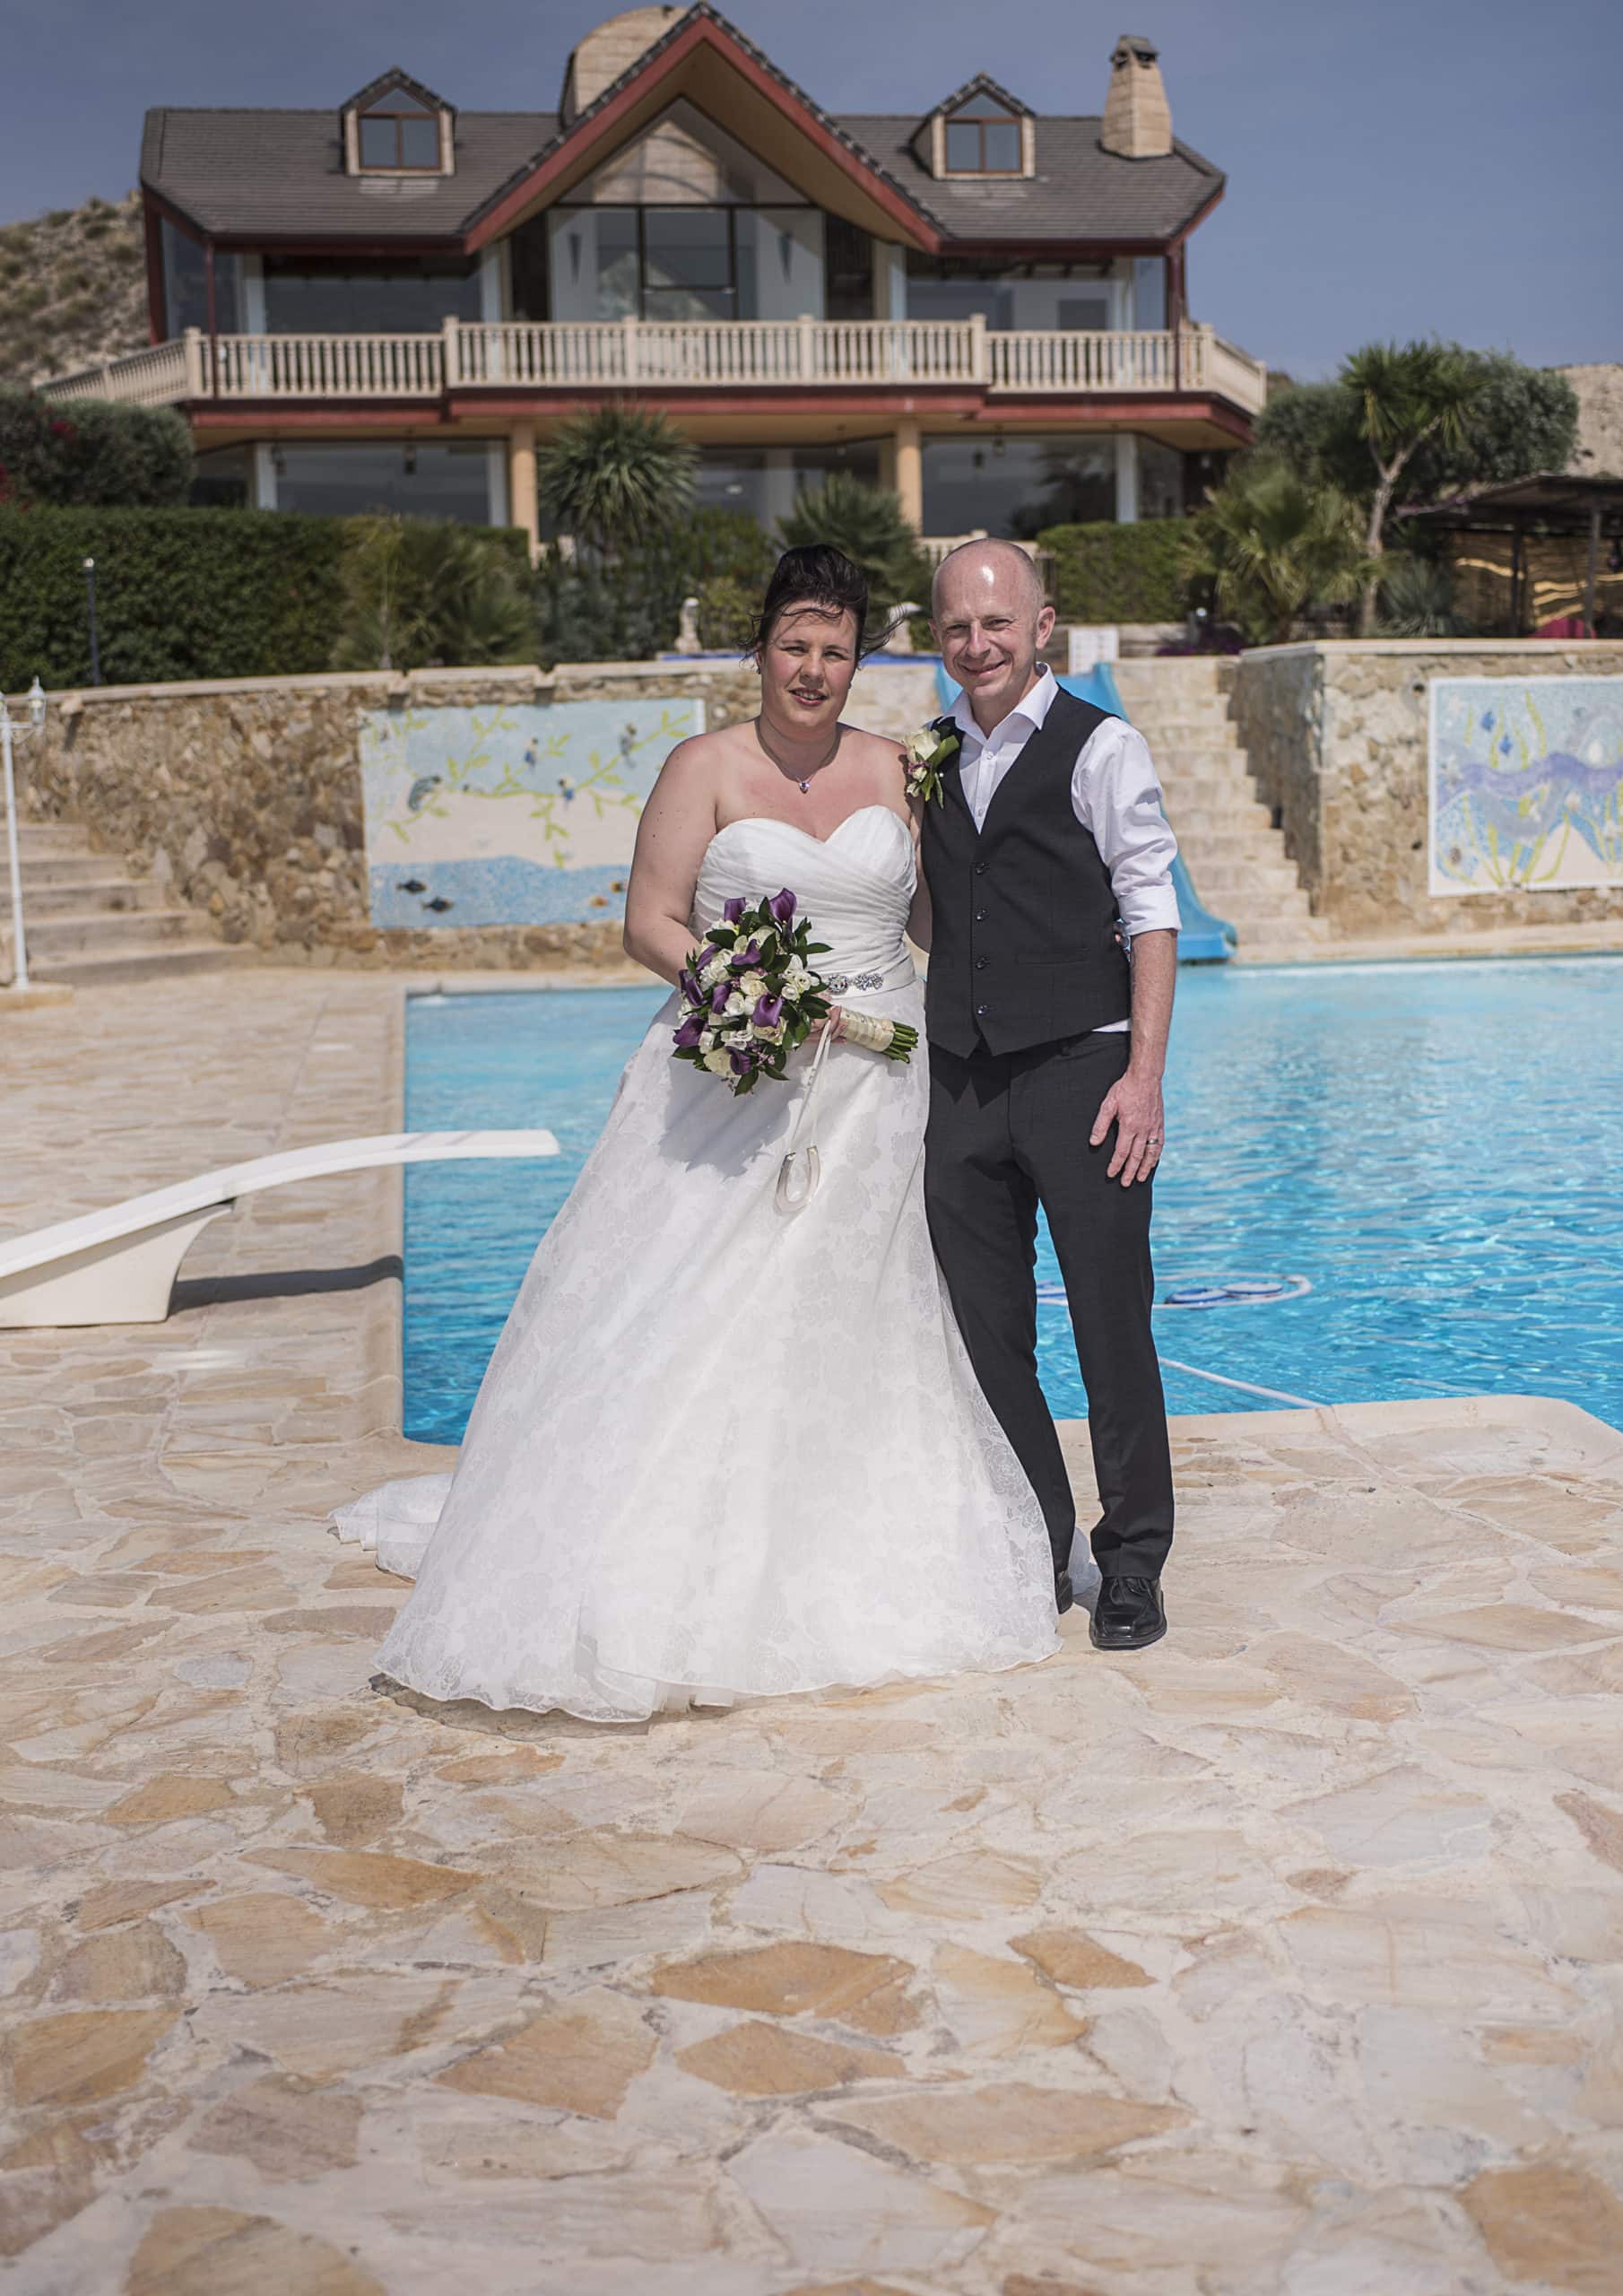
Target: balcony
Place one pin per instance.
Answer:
(707, 355)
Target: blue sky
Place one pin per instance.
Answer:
(1453, 166)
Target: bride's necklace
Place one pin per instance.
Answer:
(805, 785)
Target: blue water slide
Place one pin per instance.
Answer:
(1203, 939)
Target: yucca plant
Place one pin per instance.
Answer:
(1418, 600)
(1269, 544)
(614, 477)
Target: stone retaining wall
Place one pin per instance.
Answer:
(242, 797)
(1337, 738)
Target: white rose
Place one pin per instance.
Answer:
(753, 984)
(920, 746)
(719, 1063)
(716, 970)
(737, 1004)
(707, 1041)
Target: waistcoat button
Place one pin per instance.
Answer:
(980, 917)
(982, 1010)
(980, 964)
(980, 868)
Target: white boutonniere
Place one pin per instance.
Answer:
(924, 754)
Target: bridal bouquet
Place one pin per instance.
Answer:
(750, 997)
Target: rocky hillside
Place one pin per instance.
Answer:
(73, 289)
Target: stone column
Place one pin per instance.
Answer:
(521, 507)
(1126, 478)
(910, 472)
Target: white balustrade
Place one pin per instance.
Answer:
(327, 366)
(153, 378)
(704, 354)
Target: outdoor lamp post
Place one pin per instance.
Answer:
(11, 730)
(90, 592)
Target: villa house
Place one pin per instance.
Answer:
(980, 305)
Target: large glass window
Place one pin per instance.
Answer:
(1160, 480)
(689, 270)
(1008, 294)
(1016, 486)
(687, 262)
(397, 132)
(347, 295)
(185, 286)
(764, 481)
(983, 139)
(428, 480)
(1150, 289)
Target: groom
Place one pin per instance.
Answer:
(1046, 1047)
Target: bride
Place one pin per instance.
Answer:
(723, 1448)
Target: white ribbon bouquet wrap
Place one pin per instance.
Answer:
(750, 997)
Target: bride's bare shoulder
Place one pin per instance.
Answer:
(873, 749)
(702, 757)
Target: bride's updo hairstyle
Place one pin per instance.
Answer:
(813, 574)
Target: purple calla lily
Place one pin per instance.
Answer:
(688, 982)
(742, 960)
(734, 909)
(782, 906)
(687, 1037)
(769, 1011)
(719, 995)
(740, 1062)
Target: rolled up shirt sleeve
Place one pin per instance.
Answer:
(1116, 796)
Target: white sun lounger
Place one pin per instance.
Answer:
(118, 1266)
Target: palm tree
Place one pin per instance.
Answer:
(1406, 393)
(1269, 544)
(614, 477)
(867, 524)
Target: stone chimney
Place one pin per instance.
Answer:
(1138, 123)
(613, 48)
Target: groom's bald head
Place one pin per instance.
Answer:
(979, 570)
(991, 621)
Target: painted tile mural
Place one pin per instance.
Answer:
(523, 814)
(1526, 784)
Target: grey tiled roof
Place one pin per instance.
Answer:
(279, 174)
(1078, 192)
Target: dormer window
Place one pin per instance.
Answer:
(983, 139)
(398, 127)
(982, 130)
(395, 135)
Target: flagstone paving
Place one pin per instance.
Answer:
(1285, 1957)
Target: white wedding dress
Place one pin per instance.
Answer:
(723, 1450)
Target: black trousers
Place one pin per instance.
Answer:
(1009, 1131)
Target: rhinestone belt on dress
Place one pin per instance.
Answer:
(843, 983)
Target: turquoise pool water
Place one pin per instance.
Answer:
(1425, 1160)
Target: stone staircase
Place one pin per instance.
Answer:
(88, 920)
(1236, 857)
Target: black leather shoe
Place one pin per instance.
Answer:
(1063, 1594)
(1128, 1615)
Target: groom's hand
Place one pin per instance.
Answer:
(1133, 1105)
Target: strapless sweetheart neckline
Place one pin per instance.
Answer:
(747, 821)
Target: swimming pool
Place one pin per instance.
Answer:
(1425, 1160)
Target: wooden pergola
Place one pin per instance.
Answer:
(1546, 503)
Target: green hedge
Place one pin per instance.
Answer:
(89, 451)
(1115, 573)
(179, 594)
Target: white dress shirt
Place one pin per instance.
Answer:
(1115, 794)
